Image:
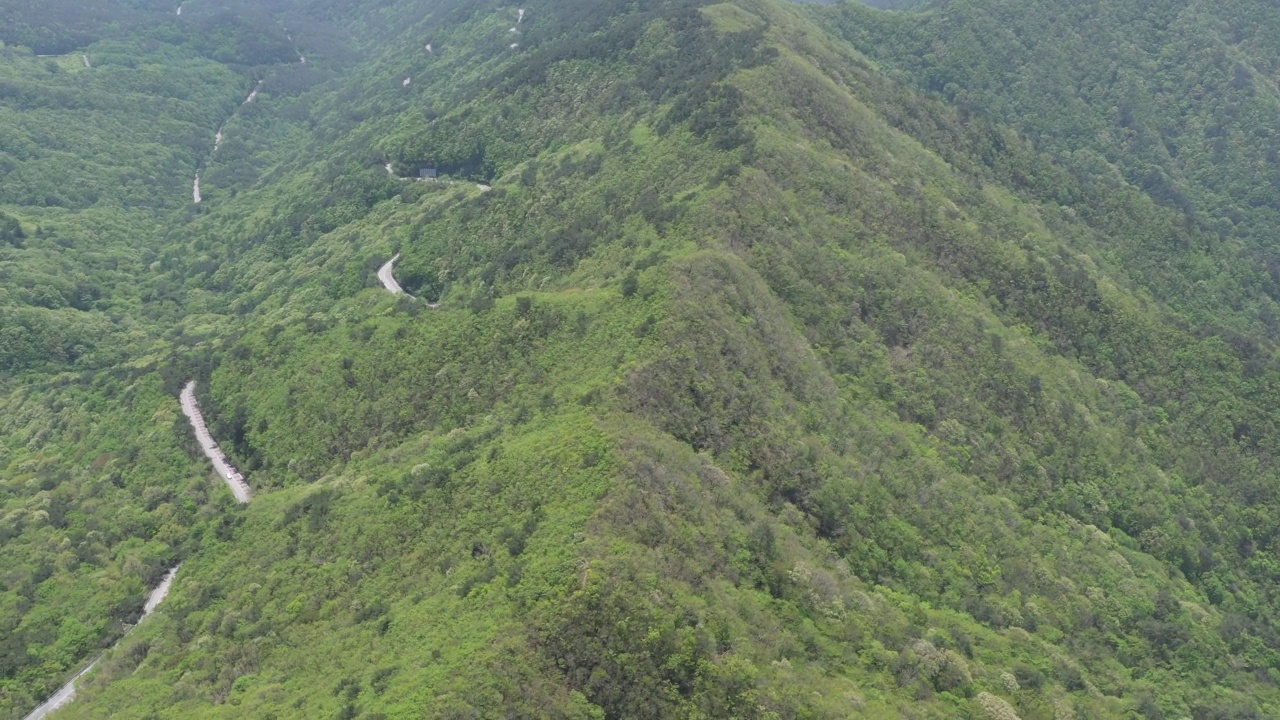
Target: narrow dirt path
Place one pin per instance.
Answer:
(223, 466)
(67, 692)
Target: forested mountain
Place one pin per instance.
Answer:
(758, 359)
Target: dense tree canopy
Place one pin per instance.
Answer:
(790, 360)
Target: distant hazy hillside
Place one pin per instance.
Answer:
(755, 359)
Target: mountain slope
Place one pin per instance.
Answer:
(1180, 98)
(762, 384)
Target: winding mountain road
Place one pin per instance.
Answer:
(388, 280)
(232, 477)
(223, 466)
(67, 692)
(234, 480)
(218, 137)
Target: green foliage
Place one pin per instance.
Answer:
(11, 230)
(767, 380)
(1166, 100)
(100, 497)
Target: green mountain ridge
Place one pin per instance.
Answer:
(792, 367)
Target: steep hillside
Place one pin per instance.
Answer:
(1179, 98)
(769, 378)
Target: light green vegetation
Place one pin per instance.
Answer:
(769, 380)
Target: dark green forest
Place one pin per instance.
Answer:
(791, 360)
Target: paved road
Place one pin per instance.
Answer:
(227, 471)
(253, 93)
(68, 692)
(389, 280)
